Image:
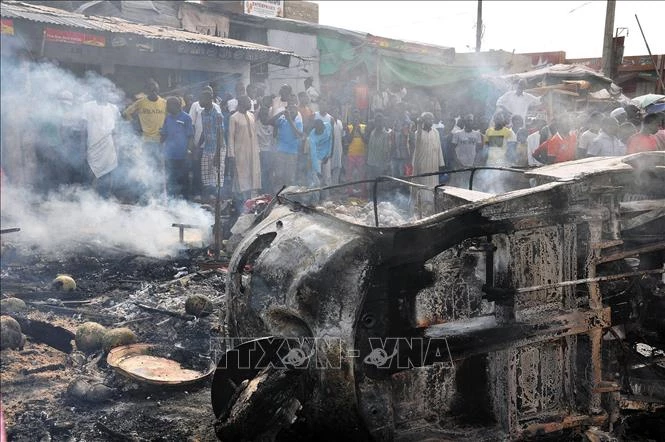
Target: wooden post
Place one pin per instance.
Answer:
(479, 25)
(608, 50)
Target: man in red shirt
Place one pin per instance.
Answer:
(559, 148)
(644, 140)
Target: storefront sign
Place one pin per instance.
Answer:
(238, 54)
(73, 37)
(62, 36)
(411, 48)
(94, 40)
(266, 8)
(7, 26)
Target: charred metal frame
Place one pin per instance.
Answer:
(521, 366)
(403, 180)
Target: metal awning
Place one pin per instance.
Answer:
(60, 17)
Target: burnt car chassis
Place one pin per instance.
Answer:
(507, 316)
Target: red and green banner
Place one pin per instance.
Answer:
(73, 37)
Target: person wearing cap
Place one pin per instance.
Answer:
(517, 102)
(427, 158)
(243, 153)
(620, 115)
(253, 93)
(232, 103)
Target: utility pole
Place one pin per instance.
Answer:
(653, 61)
(479, 25)
(608, 47)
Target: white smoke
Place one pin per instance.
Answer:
(60, 217)
(75, 216)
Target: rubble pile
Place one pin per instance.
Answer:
(56, 382)
(359, 213)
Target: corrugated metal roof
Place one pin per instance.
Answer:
(316, 28)
(564, 71)
(60, 17)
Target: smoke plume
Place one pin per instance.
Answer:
(57, 215)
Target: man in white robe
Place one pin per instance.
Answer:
(100, 117)
(244, 149)
(427, 158)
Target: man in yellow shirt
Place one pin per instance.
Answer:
(151, 110)
(356, 158)
(498, 139)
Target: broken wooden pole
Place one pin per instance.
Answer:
(181, 230)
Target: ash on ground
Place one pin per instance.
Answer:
(144, 294)
(390, 215)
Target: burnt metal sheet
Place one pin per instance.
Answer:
(575, 170)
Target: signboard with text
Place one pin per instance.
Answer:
(73, 37)
(266, 8)
(238, 54)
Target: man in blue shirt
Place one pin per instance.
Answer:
(289, 139)
(320, 149)
(177, 136)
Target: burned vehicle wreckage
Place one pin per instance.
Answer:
(511, 316)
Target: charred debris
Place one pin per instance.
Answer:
(528, 314)
(535, 313)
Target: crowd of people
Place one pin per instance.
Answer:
(252, 143)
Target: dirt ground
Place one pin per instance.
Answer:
(35, 379)
(118, 289)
